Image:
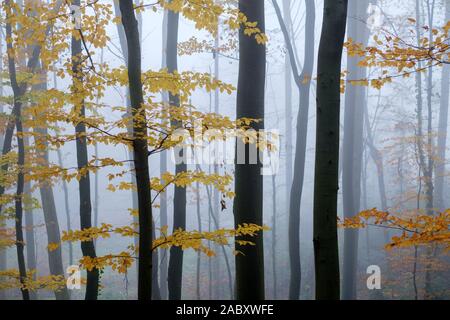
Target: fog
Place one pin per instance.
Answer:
(390, 112)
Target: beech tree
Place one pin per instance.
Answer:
(326, 255)
(248, 203)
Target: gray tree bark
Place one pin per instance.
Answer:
(442, 129)
(175, 271)
(163, 168)
(355, 100)
(288, 98)
(303, 83)
(3, 251)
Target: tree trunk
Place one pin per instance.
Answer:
(303, 82)
(355, 100)
(19, 210)
(216, 264)
(48, 199)
(430, 170)
(377, 158)
(163, 168)
(87, 247)
(442, 130)
(65, 191)
(30, 242)
(3, 251)
(199, 223)
(16, 121)
(325, 240)
(19, 91)
(175, 272)
(274, 237)
(140, 150)
(66, 206)
(248, 203)
(288, 60)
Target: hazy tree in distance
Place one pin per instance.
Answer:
(442, 130)
(303, 83)
(355, 100)
(48, 199)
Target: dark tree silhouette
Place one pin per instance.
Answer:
(248, 203)
(326, 254)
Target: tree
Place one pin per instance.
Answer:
(140, 150)
(3, 251)
(355, 100)
(87, 248)
(47, 197)
(248, 203)
(163, 168)
(175, 272)
(287, 6)
(17, 114)
(442, 129)
(303, 83)
(326, 255)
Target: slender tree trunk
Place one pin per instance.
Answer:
(288, 60)
(123, 46)
(1, 85)
(175, 272)
(66, 206)
(377, 159)
(274, 237)
(87, 247)
(19, 91)
(65, 191)
(96, 178)
(16, 121)
(199, 222)
(227, 262)
(353, 145)
(48, 199)
(442, 130)
(210, 275)
(30, 242)
(163, 168)
(19, 210)
(216, 264)
(248, 203)
(326, 254)
(303, 82)
(430, 143)
(3, 251)
(156, 295)
(17, 115)
(140, 150)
